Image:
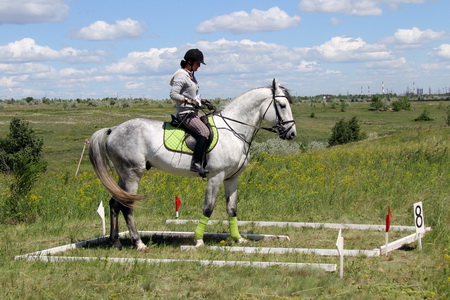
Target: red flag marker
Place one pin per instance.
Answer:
(388, 219)
(177, 205)
(388, 225)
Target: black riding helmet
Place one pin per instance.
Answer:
(194, 54)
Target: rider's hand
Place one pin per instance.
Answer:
(208, 104)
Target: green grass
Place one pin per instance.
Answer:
(407, 162)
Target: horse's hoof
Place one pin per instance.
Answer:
(116, 244)
(242, 241)
(199, 243)
(140, 246)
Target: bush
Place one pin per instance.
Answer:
(376, 102)
(345, 132)
(401, 104)
(424, 116)
(20, 157)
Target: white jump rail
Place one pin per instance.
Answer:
(271, 250)
(181, 234)
(47, 255)
(219, 263)
(304, 224)
(323, 252)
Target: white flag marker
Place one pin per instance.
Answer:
(340, 248)
(101, 213)
(419, 222)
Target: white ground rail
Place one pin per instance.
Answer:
(325, 252)
(48, 255)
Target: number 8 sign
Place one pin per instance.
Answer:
(418, 218)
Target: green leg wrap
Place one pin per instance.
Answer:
(200, 230)
(234, 231)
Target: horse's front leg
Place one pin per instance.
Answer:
(212, 190)
(231, 196)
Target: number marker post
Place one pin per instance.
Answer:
(340, 248)
(419, 222)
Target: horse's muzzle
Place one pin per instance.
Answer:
(287, 133)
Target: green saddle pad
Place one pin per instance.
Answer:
(174, 138)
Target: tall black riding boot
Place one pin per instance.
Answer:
(197, 157)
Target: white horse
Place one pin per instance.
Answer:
(137, 145)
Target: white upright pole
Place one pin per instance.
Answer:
(81, 157)
(340, 248)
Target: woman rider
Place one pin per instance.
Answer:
(185, 92)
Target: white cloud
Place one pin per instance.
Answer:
(309, 66)
(153, 60)
(352, 7)
(349, 7)
(7, 82)
(399, 63)
(102, 31)
(133, 85)
(347, 49)
(335, 22)
(414, 37)
(273, 19)
(443, 51)
(26, 50)
(32, 11)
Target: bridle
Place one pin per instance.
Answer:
(277, 128)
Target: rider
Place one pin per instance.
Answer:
(185, 92)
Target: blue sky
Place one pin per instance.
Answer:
(96, 49)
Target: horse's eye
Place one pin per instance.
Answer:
(283, 106)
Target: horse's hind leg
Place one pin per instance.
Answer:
(131, 186)
(129, 219)
(114, 208)
(231, 195)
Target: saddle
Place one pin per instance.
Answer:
(180, 139)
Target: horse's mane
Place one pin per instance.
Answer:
(285, 91)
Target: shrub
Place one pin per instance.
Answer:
(21, 157)
(424, 116)
(276, 146)
(345, 132)
(401, 104)
(377, 103)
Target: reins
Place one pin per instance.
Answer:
(278, 128)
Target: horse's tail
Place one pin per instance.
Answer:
(99, 159)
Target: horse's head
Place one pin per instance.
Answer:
(279, 113)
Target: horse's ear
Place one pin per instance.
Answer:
(274, 84)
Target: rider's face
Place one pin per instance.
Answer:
(195, 66)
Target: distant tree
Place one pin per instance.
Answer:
(345, 132)
(21, 157)
(376, 102)
(401, 104)
(424, 116)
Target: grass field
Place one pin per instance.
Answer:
(402, 162)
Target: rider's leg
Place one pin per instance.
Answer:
(192, 122)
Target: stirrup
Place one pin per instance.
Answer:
(197, 168)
